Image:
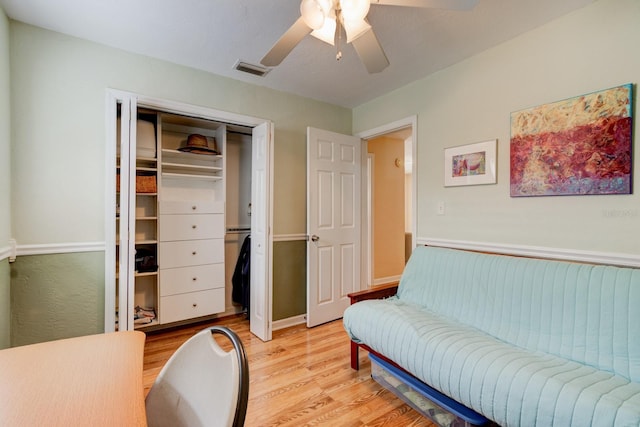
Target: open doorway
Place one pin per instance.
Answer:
(389, 204)
(388, 226)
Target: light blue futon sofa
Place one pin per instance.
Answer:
(522, 341)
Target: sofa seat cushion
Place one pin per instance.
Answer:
(511, 385)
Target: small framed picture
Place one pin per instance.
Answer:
(471, 164)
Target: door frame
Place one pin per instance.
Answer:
(113, 96)
(368, 217)
(412, 122)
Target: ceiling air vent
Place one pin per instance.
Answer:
(256, 70)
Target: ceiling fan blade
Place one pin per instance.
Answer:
(370, 52)
(286, 43)
(437, 4)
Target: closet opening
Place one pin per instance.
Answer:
(187, 188)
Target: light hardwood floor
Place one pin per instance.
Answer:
(302, 377)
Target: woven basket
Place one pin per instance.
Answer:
(146, 184)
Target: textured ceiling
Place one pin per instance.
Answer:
(212, 35)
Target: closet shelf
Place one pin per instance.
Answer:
(140, 242)
(136, 274)
(186, 166)
(191, 156)
(154, 322)
(148, 273)
(191, 175)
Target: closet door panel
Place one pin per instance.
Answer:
(191, 227)
(191, 252)
(190, 279)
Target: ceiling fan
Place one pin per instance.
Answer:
(331, 20)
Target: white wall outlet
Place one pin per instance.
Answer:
(440, 208)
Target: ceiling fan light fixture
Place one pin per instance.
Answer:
(312, 14)
(354, 10)
(327, 32)
(355, 29)
(329, 20)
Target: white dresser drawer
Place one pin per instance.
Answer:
(190, 279)
(191, 252)
(194, 207)
(190, 227)
(193, 304)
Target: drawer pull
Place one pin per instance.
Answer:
(193, 253)
(193, 226)
(195, 305)
(194, 279)
(193, 207)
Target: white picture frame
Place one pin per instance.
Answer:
(471, 164)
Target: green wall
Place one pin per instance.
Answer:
(290, 268)
(5, 305)
(470, 102)
(5, 170)
(56, 296)
(58, 103)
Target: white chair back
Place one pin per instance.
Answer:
(201, 384)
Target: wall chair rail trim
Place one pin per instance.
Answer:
(289, 237)
(59, 248)
(63, 248)
(609, 258)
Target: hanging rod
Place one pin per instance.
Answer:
(238, 229)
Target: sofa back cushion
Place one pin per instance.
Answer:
(582, 312)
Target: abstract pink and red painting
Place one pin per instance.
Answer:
(581, 145)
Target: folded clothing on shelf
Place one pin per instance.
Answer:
(144, 315)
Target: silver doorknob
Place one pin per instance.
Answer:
(315, 238)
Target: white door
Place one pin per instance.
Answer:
(333, 223)
(260, 300)
(127, 202)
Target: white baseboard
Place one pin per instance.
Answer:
(288, 322)
(609, 258)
